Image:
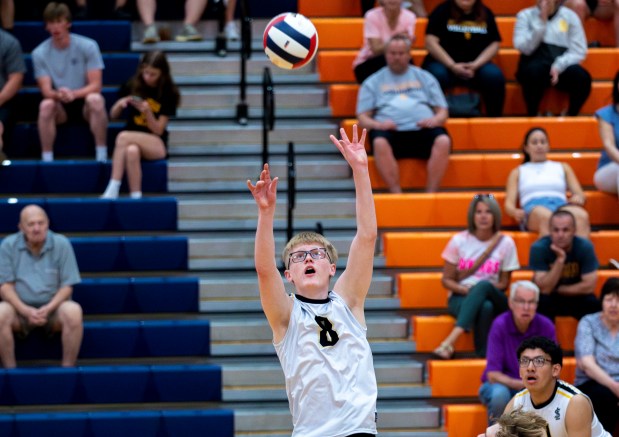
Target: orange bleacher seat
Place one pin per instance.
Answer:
(507, 133)
(423, 290)
(450, 209)
(430, 331)
(465, 420)
(423, 249)
(343, 99)
(462, 378)
(481, 170)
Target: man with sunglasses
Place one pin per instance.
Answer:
(320, 334)
(567, 410)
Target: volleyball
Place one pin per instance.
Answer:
(290, 41)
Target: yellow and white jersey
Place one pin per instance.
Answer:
(553, 410)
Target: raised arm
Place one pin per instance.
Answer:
(275, 302)
(354, 283)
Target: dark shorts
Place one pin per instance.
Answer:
(75, 111)
(26, 328)
(410, 144)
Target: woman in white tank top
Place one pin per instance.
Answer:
(539, 186)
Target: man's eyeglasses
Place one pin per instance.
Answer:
(525, 303)
(537, 361)
(483, 196)
(299, 256)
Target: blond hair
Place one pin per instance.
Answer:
(308, 238)
(518, 423)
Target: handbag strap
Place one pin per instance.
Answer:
(482, 259)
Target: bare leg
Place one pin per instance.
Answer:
(69, 316)
(231, 7)
(538, 220)
(96, 115)
(7, 10)
(438, 162)
(387, 165)
(50, 114)
(7, 341)
(144, 146)
(194, 10)
(147, 10)
(134, 168)
(120, 4)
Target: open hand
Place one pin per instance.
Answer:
(265, 190)
(353, 151)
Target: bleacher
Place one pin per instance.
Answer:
(175, 343)
(415, 226)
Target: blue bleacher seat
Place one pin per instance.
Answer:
(152, 295)
(105, 296)
(214, 423)
(125, 424)
(18, 178)
(104, 254)
(116, 384)
(79, 214)
(47, 385)
(149, 214)
(112, 36)
(188, 383)
(47, 424)
(112, 339)
(63, 176)
(164, 338)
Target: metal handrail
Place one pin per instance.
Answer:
(268, 111)
(292, 189)
(242, 110)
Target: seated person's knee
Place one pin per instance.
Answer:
(47, 108)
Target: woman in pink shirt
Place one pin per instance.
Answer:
(380, 24)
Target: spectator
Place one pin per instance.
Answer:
(539, 187)
(606, 177)
(37, 273)
(151, 98)
(552, 43)
(462, 38)
(566, 409)
(68, 69)
(500, 380)
(478, 266)
(597, 356)
(518, 423)
(193, 12)
(565, 269)
(11, 77)
(405, 109)
(379, 26)
(418, 8)
(600, 9)
(7, 12)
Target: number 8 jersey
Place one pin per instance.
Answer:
(329, 370)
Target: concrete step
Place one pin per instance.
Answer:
(239, 212)
(414, 418)
(228, 252)
(218, 97)
(397, 379)
(251, 335)
(230, 133)
(207, 65)
(231, 175)
(255, 149)
(240, 294)
(254, 113)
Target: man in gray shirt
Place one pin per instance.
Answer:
(405, 110)
(68, 69)
(12, 69)
(37, 272)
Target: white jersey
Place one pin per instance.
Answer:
(554, 409)
(329, 370)
(541, 179)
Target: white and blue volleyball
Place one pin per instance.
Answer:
(290, 40)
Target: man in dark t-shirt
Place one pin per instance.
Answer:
(565, 270)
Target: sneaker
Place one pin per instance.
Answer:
(613, 263)
(151, 35)
(189, 33)
(231, 31)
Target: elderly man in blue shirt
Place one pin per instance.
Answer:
(38, 270)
